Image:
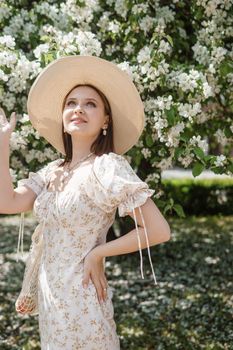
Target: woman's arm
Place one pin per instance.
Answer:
(157, 228)
(158, 231)
(11, 201)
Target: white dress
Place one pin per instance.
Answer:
(74, 222)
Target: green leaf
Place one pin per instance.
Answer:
(171, 116)
(178, 152)
(149, 140)
(171, 201)
(48, 57)
(137, 159)
(169, 38)
(166, 208)
(207, 157)
(225, 68)
(227, 132)
(199, 152)
(185, 135)
(217, 170)
(230, 167)
(179, 210)
(197, 169)
(212, 159)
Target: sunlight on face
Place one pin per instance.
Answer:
(83, 102)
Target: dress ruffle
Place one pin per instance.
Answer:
(113, 184)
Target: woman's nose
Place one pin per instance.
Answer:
(78, 109)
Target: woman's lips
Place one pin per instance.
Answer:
(78, 121)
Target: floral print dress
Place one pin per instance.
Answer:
(76, 220)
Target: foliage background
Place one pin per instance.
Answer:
(178, 53)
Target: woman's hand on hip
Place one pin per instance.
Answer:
(94, 269)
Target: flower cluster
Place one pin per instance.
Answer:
(180, 62)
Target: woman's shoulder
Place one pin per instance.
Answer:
(47, 168)
(107, 160)
(111, 170)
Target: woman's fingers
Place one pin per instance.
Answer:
(3, 119)
(104, 285)
(5, 126)
(94, 268)
(13, 121)
(100, 286)
(85, 280)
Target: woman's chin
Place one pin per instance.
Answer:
(76, 128)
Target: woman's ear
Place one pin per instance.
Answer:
(106, 120)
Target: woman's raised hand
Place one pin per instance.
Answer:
(6, 128)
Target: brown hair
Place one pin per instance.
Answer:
(103, 143)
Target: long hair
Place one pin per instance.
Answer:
(103, 143)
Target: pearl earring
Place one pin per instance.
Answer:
(104, 132)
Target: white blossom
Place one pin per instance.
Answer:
(220, 136)
(146, 153)
(114, 26)
(164, 47)
(3, 76)
(172, 137)
(8, 59)
(220, 160)
(197, 141)
(8, 41)
(125, 66)
(139, 8)
(17, 141)
(201, 53)
(211, 260)
(164, 164)
(186, 159)
(144, 54)
(8, 100)
(146, 23)
(189, 111)
(121, 8)
(207, 90)
(40, 49)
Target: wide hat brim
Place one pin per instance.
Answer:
(47, 93)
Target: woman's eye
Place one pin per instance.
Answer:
(91, 103)
(68, 103)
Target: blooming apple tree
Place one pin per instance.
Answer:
(179, 54)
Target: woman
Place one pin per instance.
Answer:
(91, 112)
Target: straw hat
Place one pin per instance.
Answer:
(48, 91)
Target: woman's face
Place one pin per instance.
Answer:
(84, 112)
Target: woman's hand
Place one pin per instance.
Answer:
(6, 128)
(94, 269)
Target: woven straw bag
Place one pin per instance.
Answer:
(27, 301)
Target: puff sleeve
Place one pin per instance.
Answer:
(113, 184)
(37, 182)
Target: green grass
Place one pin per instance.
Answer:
(203, 182)
(190, 308)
